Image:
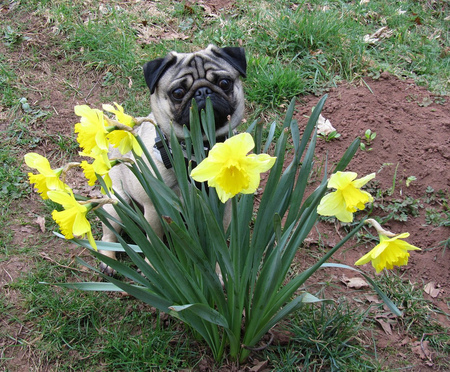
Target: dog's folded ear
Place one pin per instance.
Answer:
(153, 70)
(235, 56)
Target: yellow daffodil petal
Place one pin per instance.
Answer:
(38, 162)
(388, 253)
(257, 164)
(91, 129)
(242, 144)
(121, 117)
(48, 178)
(332, 205)
(340, 180)
(207, 169)
(362, 181)
(230, 170)
(348, 198)
(72, 220)
(81, 225)
(124, 141)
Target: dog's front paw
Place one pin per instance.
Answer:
(107, 270)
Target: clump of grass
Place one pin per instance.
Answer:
(324, 337)
(272, 84)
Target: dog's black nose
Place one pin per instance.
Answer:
(202, 93)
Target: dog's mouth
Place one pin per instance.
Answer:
(221, 107)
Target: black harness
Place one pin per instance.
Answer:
(160, 150)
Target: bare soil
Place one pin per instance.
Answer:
(413, 138)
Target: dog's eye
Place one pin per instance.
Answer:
(178, 93)
(224, 84)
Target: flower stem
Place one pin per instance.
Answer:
(379, 229)
(234, 294)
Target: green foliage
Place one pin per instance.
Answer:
(368, 138)
(12, 37)
(435, 217)
(400, 209)
(273, 85)
(8, 90)
(323, 337)
(330, 136)
(103, 44)
(254, 254)
(14, 184)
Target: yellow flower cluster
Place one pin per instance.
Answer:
(95, 133)
(347, 199)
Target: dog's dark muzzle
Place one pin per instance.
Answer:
(221, 106)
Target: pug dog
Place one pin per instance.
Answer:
(173, 82)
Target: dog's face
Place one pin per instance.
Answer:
(179, 77)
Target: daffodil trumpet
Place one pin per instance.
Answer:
(391, 251)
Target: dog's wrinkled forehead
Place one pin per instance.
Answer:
(193, 68)
(207, 64)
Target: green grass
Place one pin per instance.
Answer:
(324, 338)
(82, 331)
(293, 49)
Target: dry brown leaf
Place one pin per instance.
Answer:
(422, 350)
(382, 33)
(260, 366)
(355, 282)
(41, 222)
(405, 341)
(27, 229)
(431, 289)
(385, 325)
(372, 298)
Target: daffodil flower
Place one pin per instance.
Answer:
(348, 198)
(101, 166)
(72, 220)
(125, 141)
(121, 138)
(230, 170)
(121, 117)
(48, 178)
(390, 252)
(91, 130)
